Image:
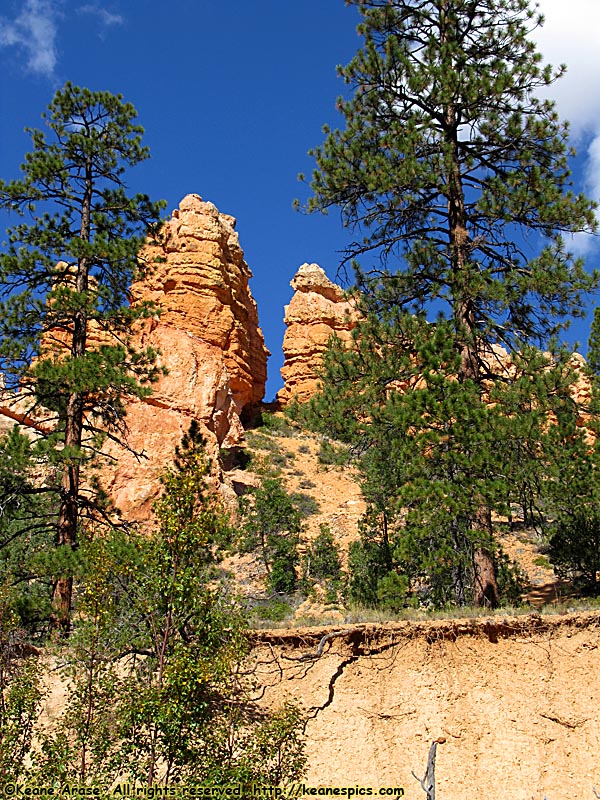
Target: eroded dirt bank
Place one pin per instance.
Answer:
(517, 701)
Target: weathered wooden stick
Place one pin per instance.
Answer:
(319, 651)
(428, 780)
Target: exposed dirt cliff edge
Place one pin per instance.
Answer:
(516, 699)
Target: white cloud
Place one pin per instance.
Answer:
(594, 162)
(571, 36)
(33, 32)
(107, 18)
(582, 244)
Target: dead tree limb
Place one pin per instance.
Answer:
(319, 651)
(428, 780)
(25, 420)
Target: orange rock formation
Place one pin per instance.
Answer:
(202, 288)
(317, 310)
(210, 343)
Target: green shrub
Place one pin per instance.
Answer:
(281, 458)
(277, 424)
(21, 691)
(156, 690)
(512, 581)
(542, 561)
(273, 523)
(276, 459)
(305, 504)
(330, 455)
(367, 564)
(274, 611)
(322, 559)
(282, 576)
(392, 592)
(322, 563)
(574, 548)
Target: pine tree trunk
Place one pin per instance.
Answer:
(485, 587)
(68, 516)
(68, 512)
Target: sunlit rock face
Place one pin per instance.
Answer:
(209, 341)
(317, 310)
(202, 288)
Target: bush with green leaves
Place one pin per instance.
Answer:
(332, 455)
(272, 611)
(28, 558)
(21, 691)
(272, 524)
(393, 592)
(276, 424)
(157, 692)
(573, 491)
(322, 563)
(323, 556)
(305, 504)
(574, 549)
(368, 563)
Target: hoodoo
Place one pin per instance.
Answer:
(209, 340)
(317, 310)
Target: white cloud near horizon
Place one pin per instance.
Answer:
(34, 33)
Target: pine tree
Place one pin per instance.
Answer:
(593, 355)
(454, 177)
(27, 507)
(573, 484)
(65, 319)
(273, 524)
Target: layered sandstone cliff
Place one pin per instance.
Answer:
(210, 345)
(200, 282)
(209, 341)
(317, 310)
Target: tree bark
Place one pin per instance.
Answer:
(68, 517)
(485, 589)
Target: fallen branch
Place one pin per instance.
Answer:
(25, 420)
(319, 651)
(428, 780)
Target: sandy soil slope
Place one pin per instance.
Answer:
(517, 701)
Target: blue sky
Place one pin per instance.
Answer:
(232, 96)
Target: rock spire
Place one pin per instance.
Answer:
(317, 310)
